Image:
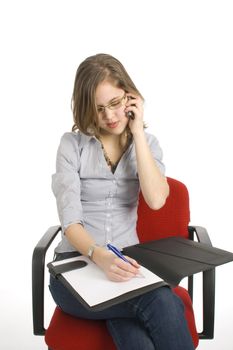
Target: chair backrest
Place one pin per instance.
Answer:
(171, 220)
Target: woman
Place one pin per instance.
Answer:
(100, 167)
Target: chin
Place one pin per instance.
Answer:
(114, 131)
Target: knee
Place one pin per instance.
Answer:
(170, 309)
(169, 302)
(169, 298)
(164, 305)
(161, 304)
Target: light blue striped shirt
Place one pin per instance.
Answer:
(87, 192)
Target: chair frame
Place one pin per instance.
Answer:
(38, 271)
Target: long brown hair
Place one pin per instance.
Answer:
(90, 73)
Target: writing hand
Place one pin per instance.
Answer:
(115, 268)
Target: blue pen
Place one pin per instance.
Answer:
(119, 254)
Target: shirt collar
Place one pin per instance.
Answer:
(85, 139)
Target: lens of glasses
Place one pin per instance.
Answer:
(113, 105)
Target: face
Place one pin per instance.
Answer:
(110, 101)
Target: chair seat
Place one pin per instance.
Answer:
(68, 333)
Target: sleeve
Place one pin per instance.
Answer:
(66, 181)
(156, 151)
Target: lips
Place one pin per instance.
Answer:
(112, 125)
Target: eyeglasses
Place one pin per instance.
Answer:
(112, 105)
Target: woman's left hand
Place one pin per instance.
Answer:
(135, 104)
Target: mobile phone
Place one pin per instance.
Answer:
(130, 115)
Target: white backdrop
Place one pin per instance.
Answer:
(179, 53)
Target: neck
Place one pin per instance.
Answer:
(118, 141)
(114, 147)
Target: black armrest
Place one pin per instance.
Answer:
(38, 265)
(208, 286)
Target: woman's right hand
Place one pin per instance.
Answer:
(116, 269)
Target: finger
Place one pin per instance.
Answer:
(132, 102)
(131, 96)
(117, 278)
(133, 261)
(124, 269)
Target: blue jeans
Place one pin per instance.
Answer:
(152, 321)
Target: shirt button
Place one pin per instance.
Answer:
(108, 215)
(107, 228)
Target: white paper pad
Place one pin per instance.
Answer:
(94, 287)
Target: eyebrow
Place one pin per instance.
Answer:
(109, 102)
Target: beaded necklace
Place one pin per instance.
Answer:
(111, 164)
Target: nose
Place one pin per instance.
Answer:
(108, 114)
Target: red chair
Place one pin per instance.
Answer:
(68, 333)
